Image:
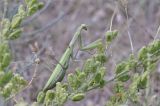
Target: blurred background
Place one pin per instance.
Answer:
(53, 27)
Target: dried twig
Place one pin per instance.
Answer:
(157, 33)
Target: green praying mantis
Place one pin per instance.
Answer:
(60, 69)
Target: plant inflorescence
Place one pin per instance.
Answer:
(10, 82)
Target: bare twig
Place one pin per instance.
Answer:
(157, 33)
(113, 17)
(129, 34)
(5, 8)
(34, 75)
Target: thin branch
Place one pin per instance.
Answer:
(157, 33)
(28, 21)
(34, 75)
(113, 18)
(4, 15)
(129, 34)
(45, 28)
(5, 8)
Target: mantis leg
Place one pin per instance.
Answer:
(91, 46)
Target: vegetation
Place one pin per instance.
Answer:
(131, 80)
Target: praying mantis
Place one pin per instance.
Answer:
(60, 69)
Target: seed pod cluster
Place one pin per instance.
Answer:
(33, 6)
(141, 68)
(11, 83)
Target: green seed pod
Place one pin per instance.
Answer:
(6, 26)
(98, 78)
(32, 2)
(78, 97)
(143, 83)
(142, 54)
(16, 21)
(143, 80)
(15, 34)
(41, 97)
(5, 33)
(50, 95)
(120, 67)
(102, 83)
(6, 78)
(81, 76)
(32, 10)
(7, 90)
(19, 79)
(21, 11)
(110, 36)
(5, 23)
(6, 60)
(101, 57)
(124, 78)
(40, 5)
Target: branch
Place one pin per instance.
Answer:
(45, 28)
(28, 21)
(157, 33)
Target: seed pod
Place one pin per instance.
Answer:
(32, 2)
(110, 36)
(40, 5)
(124, 78)
(32, 10)
(21, 11)
(6, 60)
(5, 33)
(16, 21)
(15, 34)
(78, 97)
(7, 90)
(50, 95)
(6, 26)
(40, 97)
